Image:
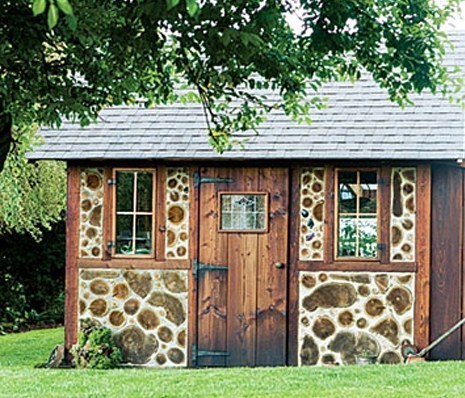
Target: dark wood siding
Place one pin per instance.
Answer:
(447, 258)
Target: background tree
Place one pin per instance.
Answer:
(57, 60)
(32, 234)
(32, 195)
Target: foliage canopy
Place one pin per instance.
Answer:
(71, 58)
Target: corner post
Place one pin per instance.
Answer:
(423, 255)
(72, 248)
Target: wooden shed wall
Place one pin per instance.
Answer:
(447, 223)
(447, 259)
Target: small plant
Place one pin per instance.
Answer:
(96, 349)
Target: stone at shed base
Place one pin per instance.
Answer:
(389, 329)
(309, 352)
(140, 282)
(390, 357)
(173, 307)
(136, 347)
(174, 282)
(323, 328)
(332, 295)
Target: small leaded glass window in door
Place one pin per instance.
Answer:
(243, 212)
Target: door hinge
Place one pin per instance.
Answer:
(111, 181)
(204, 180)
(198, 267)
(196, 354)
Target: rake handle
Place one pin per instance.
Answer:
(442, 337)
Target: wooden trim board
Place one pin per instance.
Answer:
(423, 256)
(72, 249)
(132, 263)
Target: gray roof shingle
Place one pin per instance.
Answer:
(359, 123)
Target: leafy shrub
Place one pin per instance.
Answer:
(12, 294)
(96, 349)
(32, 279)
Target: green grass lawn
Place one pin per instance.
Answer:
(20, 352)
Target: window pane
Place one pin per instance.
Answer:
(347, 191)
(144, 191)
(368, 237)
(144, 235)
(226, 202)
(347, 236)
(124, 235)
(368, 191)
(357, 222)
(124, 190)
(243, 212)
(260, 206)
(226, 221)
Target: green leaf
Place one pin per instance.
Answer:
(38, 7)
(172, 3)
(52, 17)
(192, 7)
(72, 22)
(64, 6)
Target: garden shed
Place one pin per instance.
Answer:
(314, 244)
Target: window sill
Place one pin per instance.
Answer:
(133, 263)
(363, 266)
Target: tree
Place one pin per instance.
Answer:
(69, 60)
(32, 195)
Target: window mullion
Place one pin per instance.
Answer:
(357, 217)
(134, 208)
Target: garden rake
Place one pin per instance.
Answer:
(410, 354)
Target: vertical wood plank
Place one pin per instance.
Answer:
(242, 299)
(330, 230)
(385, 214)
(193, 254)
(107, 213)
(423, 256)
(446, 277)
(72, 245)
(212, 286)
(462, 262)
(293, 283)
(213, 245)
(272, 281)
(160, 220)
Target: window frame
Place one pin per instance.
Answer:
(245, 231)
(114, 212)
(337, 257)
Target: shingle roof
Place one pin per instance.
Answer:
(359, 123)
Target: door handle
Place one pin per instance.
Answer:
(279, 265)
